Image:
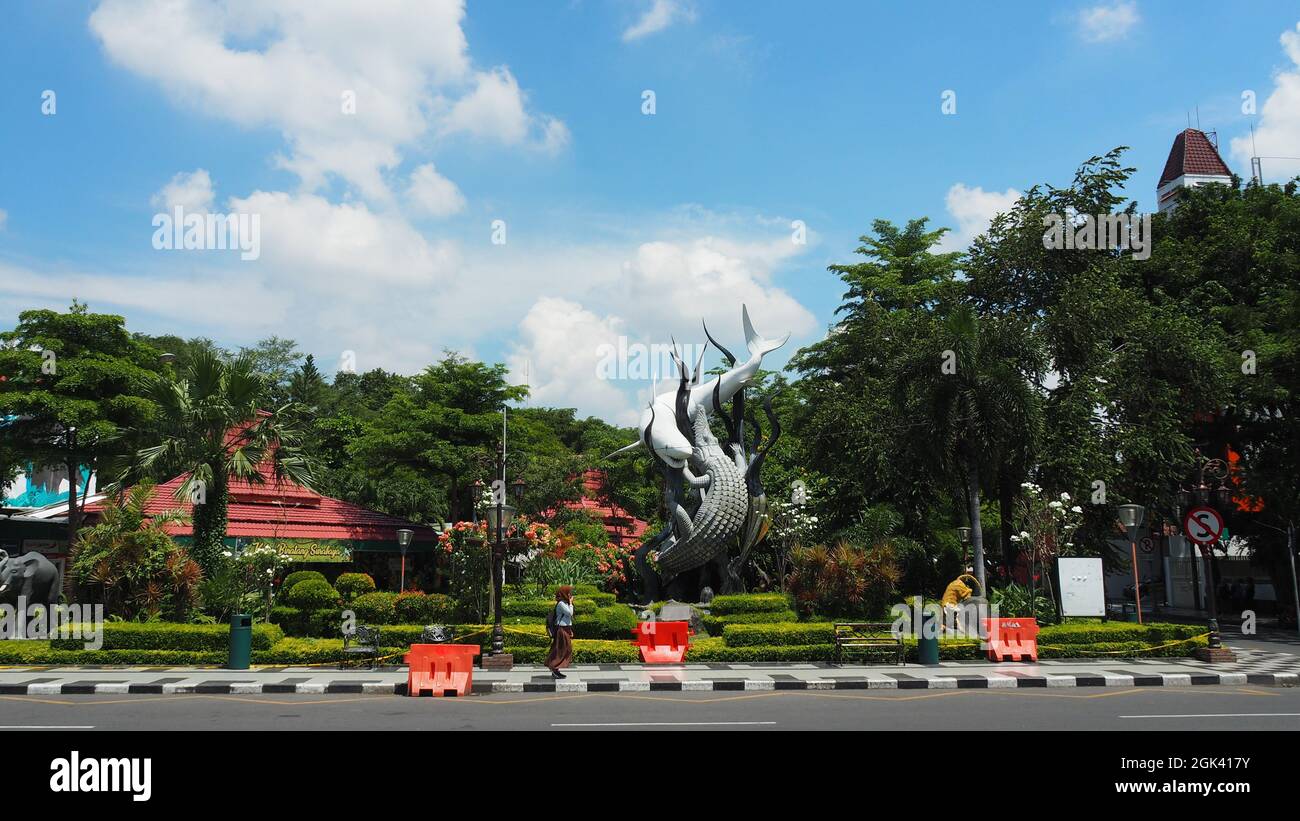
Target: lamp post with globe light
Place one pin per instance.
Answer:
(1131, 517)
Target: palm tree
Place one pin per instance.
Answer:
(968, 388)
(130, 556)
(210, 427)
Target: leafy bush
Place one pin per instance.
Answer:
(313, 594)
(325, 622)
(1014, 601)
(419, 608)
(124, 635)
(351, 585)
(300, 576)
(375, 608)
(1155, 633)
(615, 622)
(844, 580)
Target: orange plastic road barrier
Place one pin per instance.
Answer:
(662, 642)
(440, 669)
(1012, 639)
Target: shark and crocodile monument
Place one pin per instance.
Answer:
(715, 505)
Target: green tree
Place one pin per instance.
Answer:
(210, 426)
(71, 381)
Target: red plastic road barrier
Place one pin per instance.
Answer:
(440, 669)
(662, 642)
(1012, 639)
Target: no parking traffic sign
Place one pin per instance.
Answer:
(1203, 525)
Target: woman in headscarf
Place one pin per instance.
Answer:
(561, 625)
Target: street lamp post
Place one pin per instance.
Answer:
(499, 517)
(963, 535)
(1131, 517)
(403, 541)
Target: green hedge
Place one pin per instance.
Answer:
(421, 608)
(714, 625)
(1156, 633)
(540, 607)
(779, 635)
(121, 635)
(750, 603)
(325, 622)
(615, 622)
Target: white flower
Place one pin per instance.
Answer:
(1076, 509)
(226, 553)
(1055, 505)
(1024, 534)
(1065, 497)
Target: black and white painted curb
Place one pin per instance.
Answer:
(54, 687)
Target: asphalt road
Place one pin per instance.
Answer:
(1092, 708)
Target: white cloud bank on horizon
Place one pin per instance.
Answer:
(1277, 133)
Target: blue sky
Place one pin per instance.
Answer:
(376, 226)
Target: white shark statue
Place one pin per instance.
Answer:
(660, 416)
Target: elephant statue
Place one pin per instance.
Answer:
(30, 576)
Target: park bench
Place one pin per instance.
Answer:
(866, 637)
(364, 642)
(437, 634)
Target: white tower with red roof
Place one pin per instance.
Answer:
(1193, 161)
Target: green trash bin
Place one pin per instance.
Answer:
(927, 643)
(241, 641)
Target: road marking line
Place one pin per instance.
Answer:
(47, 726)
(1223, 715)
(670, 724)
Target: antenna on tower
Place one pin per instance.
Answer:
(1198, 118)
(1256, 168)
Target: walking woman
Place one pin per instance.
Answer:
(560, 623)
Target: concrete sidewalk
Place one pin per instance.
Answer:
(1252, 667)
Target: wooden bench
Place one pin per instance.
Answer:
(866, 637)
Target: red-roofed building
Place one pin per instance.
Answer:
(1193, 161)
(312, 528)
(623, 528)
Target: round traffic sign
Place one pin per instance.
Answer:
(1203, 525)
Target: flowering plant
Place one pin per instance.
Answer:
(1047, 523)
(240, 581)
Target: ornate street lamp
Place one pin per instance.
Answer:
(499, 517)
(963, 535)
(403, 541)
(1131, 517)
(1221, 499)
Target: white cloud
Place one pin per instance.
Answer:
(1277, 134)
(1105, 22)
(191, 192)
(973, 208)
(433, 194)
(557, 354)
(660, 15)
(288, 66)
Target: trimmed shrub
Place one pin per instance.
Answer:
(540, 607)
(714, 624)
(601, 599)
(749, 603)
(375, 608)
(324, 622)
(300, 576)
(419, 608)
(1096, 633)
(351, 585)
(313, 594)
(616, 622)
(778, 635)
(125, 635)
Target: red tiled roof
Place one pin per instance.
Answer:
(285, 510)
(1193, 153)
(622, 526)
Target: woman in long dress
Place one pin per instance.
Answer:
(561, 654)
